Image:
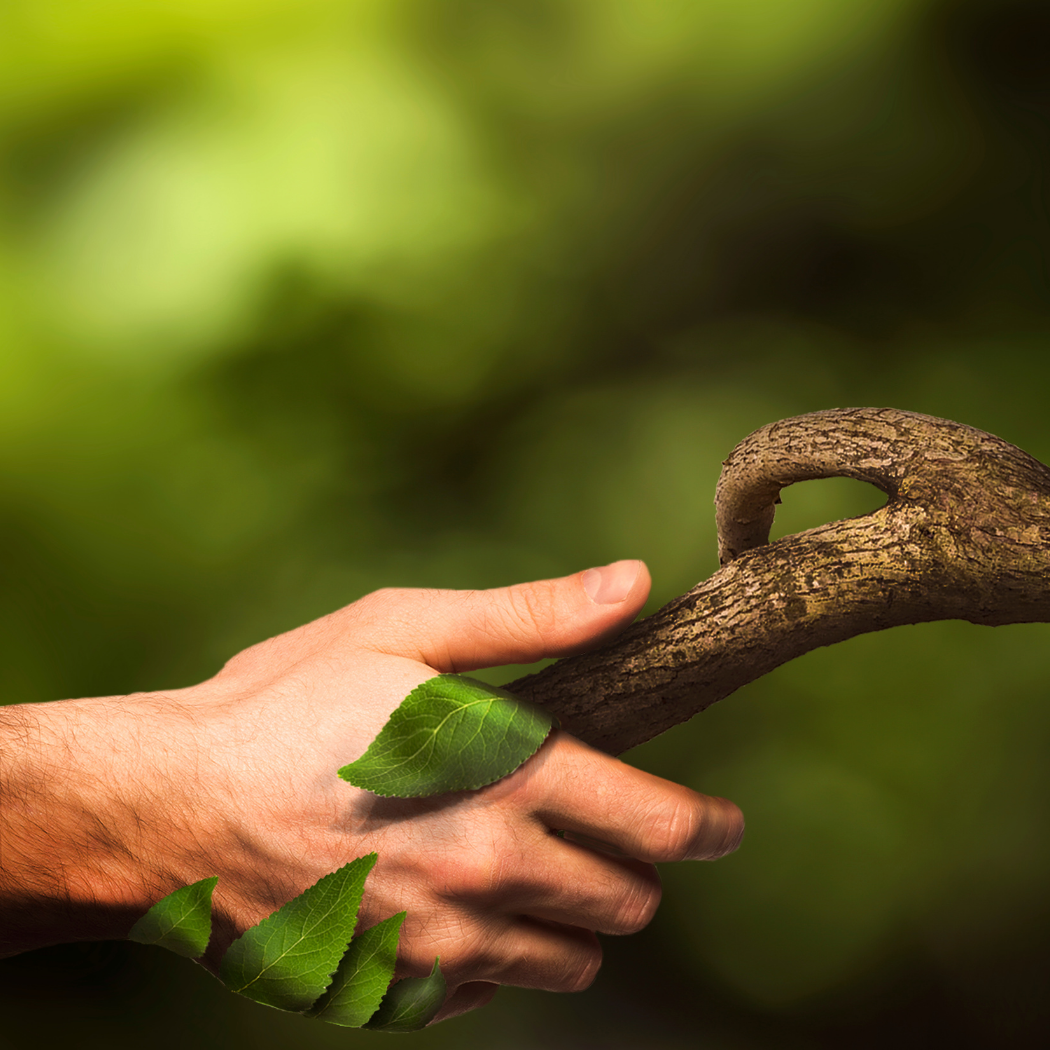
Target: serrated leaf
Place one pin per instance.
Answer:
(180, 922)
(363, 976)
(287, 961)
(410, 1004)
(449, 734)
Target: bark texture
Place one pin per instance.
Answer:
(965, 535)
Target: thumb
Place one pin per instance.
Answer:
(464, 630)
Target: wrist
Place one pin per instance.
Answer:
(68, 867)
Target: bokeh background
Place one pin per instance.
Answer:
(299, 298)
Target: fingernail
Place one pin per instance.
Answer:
(611, 583)
(725, 830)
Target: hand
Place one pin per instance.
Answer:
(237, 778)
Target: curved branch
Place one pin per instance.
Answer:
(965, 535)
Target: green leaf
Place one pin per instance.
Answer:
(410, 1004)
(449, 734)
(363, 976)
(287, 961)
(180, 922)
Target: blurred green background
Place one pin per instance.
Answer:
(299, 298)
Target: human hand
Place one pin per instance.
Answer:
(237, 778)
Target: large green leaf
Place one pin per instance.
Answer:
(363, 976)
(449, 734)
(287, 961)
(180, 922)
(410, 1004)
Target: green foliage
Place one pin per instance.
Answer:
(449, 734)
(410, 1004)
(288, 959)
(181, 922)
(363, 976)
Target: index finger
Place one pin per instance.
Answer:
(578, 789)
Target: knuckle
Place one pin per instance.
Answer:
(529, 610)
(637, 908)
(392, 619)
(469, 876)
(466, 947)
(674, 830)
(484, 869)
(464, 956)
(475, 876)
(583, 969)
(374, 609)
(378, 599)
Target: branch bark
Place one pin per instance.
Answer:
(965, 535)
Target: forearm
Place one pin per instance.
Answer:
(66, 866)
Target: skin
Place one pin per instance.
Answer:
(110, 803)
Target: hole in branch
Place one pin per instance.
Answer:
(812, 503)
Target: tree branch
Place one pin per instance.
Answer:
(965, 535)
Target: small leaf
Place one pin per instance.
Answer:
(287, 961)
(410, 1004)
(363, 976)
(180, 922)
(449, 734)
